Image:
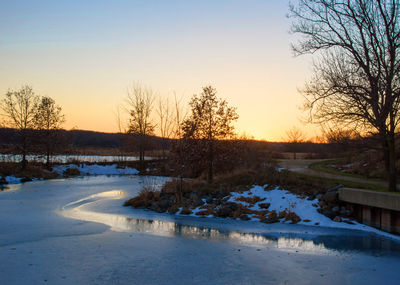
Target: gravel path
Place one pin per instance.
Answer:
(301, 166)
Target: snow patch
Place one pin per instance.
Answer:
(95, 169)
(12, 179)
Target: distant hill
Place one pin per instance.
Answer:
(82, 139)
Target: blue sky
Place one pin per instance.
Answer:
(87, 53)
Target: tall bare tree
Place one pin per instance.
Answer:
(140, 104)
(210, 119)
(357, 77)
(47, 120)
(19, 108)
(294, 136)
(166, 122)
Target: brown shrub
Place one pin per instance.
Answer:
(205, 213)
(292, 216)
(71, 172)
(173, 209)
(143, 200)
(264, 205)
(186, 211)
(271, 217)
(31, 171)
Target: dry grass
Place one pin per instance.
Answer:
(143, 199)
(31, 171)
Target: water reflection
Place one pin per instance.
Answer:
(333, 240)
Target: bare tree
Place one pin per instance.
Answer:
(140, 104)
(48, 119)
(211, 119)
(121, 125)
(19, 108)
(294, 136)
(165, 123)
(357, 77)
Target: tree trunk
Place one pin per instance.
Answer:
(392, 164)
(210, 161)
(389, 154)
(141, 153)
(23, 162)
(48, 143)
(48, 158)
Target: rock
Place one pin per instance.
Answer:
(220, 195)
(336, 209)
(342, 211)
(154, 207)
(224, 211)
(203, 213)
(231, 205)
(316, 193)
(3, 180)
(270, 221)
(321, 203)
(186, 211)
(165, 203)
(264, 205)
(329, 213)
(331, 196)
(208, 199)
(349, 212)
(337, 219)
(319, 196)
(199, 202)
(26, 179)
(244, 217)
(172, 210)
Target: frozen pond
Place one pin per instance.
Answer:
(75, 231)
(70, 158)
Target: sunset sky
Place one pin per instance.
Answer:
(85, 54)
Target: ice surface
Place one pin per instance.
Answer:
(75, 231)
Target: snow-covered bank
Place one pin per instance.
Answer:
(282, 200)
(95, 169)
(80, 170)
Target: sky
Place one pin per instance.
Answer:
(87, 54)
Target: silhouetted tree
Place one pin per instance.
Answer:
(140, 103)
(48, 118)
(357, 79)
(165, 123)
(294, 138)
(211, 119)
(19, 108)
